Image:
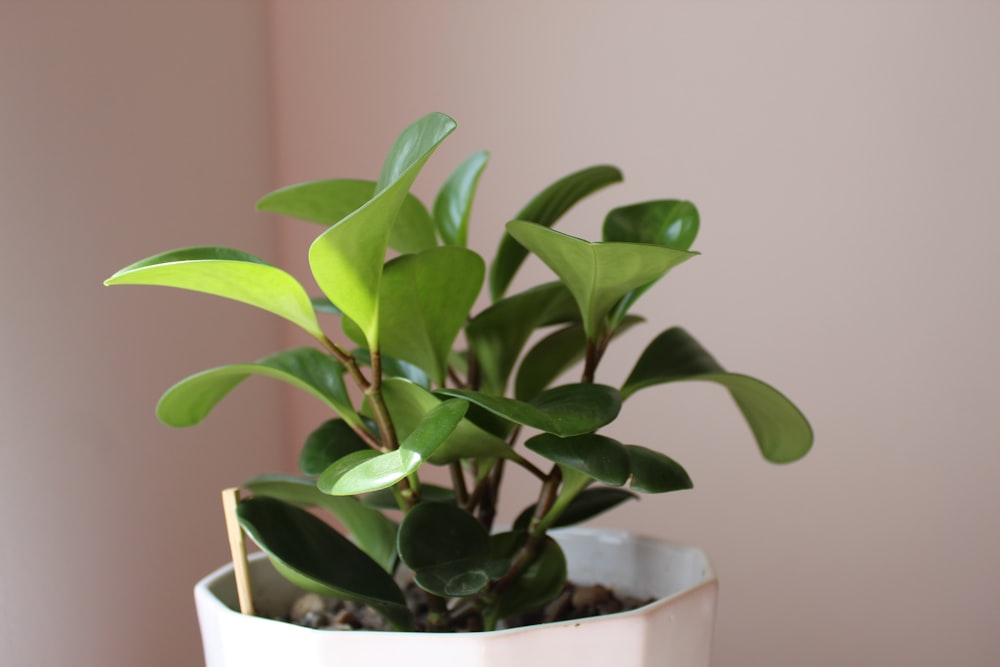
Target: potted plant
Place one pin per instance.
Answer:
(427, 385)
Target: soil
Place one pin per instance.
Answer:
(575, 602)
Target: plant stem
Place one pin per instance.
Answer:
(547, 497)
(437, 613)
(374, 394)
(458, 481)
(595, 351)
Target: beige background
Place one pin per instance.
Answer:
(844, 159)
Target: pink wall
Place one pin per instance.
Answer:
(844, 160)
(843, 156)
(125, 129)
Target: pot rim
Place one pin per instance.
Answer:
(204, 594)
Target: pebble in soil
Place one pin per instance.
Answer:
(574, 602)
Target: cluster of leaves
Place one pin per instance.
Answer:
(427, 403)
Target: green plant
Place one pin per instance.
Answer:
(431, 396)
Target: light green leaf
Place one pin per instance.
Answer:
(372, 531)
(408, 403)
(597, 456)
(228, 273)
(328, 202)
(364, 474)
(453, 204)
(498, 334)
(347, 259)
(426, 300)
(190, 400)
(783, 434)
(545, 209)
(314, 556)
(597, 274)
(653, 472)
(571, 409)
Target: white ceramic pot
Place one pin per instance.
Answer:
(674, 631)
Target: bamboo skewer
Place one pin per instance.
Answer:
(238, 548)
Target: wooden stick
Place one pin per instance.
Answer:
(238, 547)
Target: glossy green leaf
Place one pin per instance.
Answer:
(316, 557)
(597, 274)
(367, 474)
(191, 399)
(333, 439)
(446, 547)
(586, 505)
(228, 273)
(407, 404)
(597, 456)
(347, 259)
(498, 334)
(539, 583)
(453, 204)
(374, 533)
(782, 432)
(571, 409)
(555, 354)
(328, 202)
(668, 222)
(545, 209)
(385, 499)
(653, 472)
(426, 299)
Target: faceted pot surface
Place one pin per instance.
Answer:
(673, 631)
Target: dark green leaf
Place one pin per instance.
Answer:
(191, 399)
(446, 547)
(454, 201)
(498, 334)
(316, 557)
(332, 440)
(372, 532)
(567, 410)
(545, 209)
(540, 582)
(586, 505)
(668, 222)
(782, 431)
(594, 455)
(329, 202)
(553, 355)
(321, 304)
(228, 273)
(653, 472)
(393, 367)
